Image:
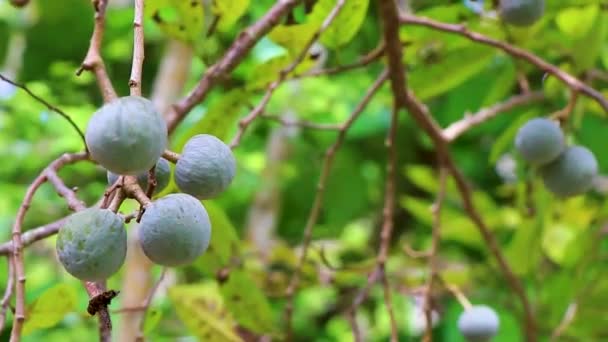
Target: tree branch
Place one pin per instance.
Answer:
(235, 54)
(47, 105)
(318, 201)
(456, 129)
(146, 305)
(569, 80)
(259, 109)
(433, 262)
(425, 120)
(138, 49)
(93, 61)
(8, 292)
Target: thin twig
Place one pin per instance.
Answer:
(171, 156)
(433, 262)
(259, 109)
(233, 56)
(93, 61)
(569, 80)
(364, 61)
(47, 105)
(146, 305)
(569, 316)
(301, 123)
(318, 201)
(456, 129)
(138, 49)
(8, 292)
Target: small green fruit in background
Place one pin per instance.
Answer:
(205, 168)
(92, 244)
(478, 324)
(174, 230)
(521, 12)
(539, 141)
(572, 173)
(127, 135)
(162, 172)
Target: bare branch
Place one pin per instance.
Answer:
(425, 120)
(566, 321)
(8, 292)
(235, 54)
(93, 61)
(569, 80)
(105, 322)
(301, 123)
(17, 250)
(259, 109)
(47, 105)
(456, 129)
(433, 262)
(364, 61)
(318, 201)
(146, 305)
(138, 49)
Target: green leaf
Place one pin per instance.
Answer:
(201, 309)
(51, 308)
(293, 37)
(587, 50)
(451, 72)
(577, 21)
(346, 24)
(251, 308)
(179, 19)
(224, 246)
(229, 11)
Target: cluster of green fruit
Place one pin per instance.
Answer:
(127, 137)
(521, 12)
(478, 324)
(566, 170)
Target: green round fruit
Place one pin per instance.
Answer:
(478, 324)
(174, 230)
(205, 168)
(162, 173)
(540, 141)
(521, 12)
(92, 244)
(572, 173)
(127, 135)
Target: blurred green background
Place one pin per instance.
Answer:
(557, 247)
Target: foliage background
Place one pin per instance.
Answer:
(556, 247)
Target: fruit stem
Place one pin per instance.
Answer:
(171, 156)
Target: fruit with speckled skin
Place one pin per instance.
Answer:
(478, 324)
(572, 173)
(127, 135)
(539, 141)
(92, 244)
(521, 12)
(162, 173)
(175, 230)
(205, 168)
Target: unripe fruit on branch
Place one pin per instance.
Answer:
(92, 244)
(521, 12)
(206, 167)
(174, 230)
(126, 136)
(478, 324)
(162, 173)
(572, 173)
(540, 141)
